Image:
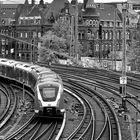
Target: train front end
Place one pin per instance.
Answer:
(49, 101)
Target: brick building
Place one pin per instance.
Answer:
(30, 21)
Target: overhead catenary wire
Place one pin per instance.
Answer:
(23, 41)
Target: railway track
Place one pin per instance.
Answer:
(110, 91)
(11, 106)
(4, 103)
(112, 121)
(13, 117)
(97, 120)
(85, 111)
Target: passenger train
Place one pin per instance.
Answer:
(45, 83)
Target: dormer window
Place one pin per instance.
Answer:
(52, 19)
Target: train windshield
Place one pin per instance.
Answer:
(48, 93)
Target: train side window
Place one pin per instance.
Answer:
(21, 75)
(25, 76)
(32, 80)
(17, 73)
(0, 69)
(7, 71)
(3, 70)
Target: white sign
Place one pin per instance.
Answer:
(123, 80)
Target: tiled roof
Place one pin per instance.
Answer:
(8, 10)
(34, 11)
(90, 4)
(107, 12)
(14, 6)
(56, 7)
(25, 10)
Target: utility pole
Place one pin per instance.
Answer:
(76, 32)
(72, 37)
(124, 11)
(114, 43)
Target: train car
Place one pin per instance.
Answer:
(46, 84)
(49, 94)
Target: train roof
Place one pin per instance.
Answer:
(7, 62)
(49, 76)
(39, 69)
(24, 66)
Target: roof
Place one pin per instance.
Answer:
(9, 6)
(8, 10)
(90, 9)
(56, 7)
(34, 11)
(90, 4)
(106, 12)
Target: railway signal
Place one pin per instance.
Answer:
(100, 31)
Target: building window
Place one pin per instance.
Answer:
(128, 35)
(103, 34)
(106, 35)
(97, 47)
(102, 47)
(105, 24)
(118, 35)
(97, 34)
(83, 36)
(111, 24)
(108, 24)
(39, 34)
(110, 35)
(26, 35)
(21, 35)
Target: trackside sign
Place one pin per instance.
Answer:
(123, 80)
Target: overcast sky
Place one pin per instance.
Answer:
(22, 1)
(96, 1)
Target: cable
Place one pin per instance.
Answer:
(54, 52)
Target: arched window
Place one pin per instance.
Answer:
(106, 35)
(118, 35)
(102, 47)
(23, 56)
(79, 35)
(89, 34)
(110, 47)
(110, 35)
(128, 35)
(97, 47)
(103, 34)
(97, 34)
(83, 36)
